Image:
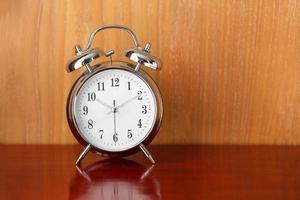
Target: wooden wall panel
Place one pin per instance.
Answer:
(231, 68)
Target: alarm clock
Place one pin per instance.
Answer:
(114, 108)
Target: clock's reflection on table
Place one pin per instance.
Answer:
(181, 172)
(115, 179)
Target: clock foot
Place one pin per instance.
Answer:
(83, 153)
(147, 153)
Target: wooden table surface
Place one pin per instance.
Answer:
(181, 172)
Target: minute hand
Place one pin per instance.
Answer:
(128, 101)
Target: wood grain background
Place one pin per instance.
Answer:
(231, 68)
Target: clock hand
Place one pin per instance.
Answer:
(125, 103)
(104, 104)
(128, 101)
(114, 110)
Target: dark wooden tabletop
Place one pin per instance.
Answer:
(181, 172)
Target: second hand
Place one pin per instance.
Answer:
(115, 138)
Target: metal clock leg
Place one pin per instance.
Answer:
(83, 153)
(147, 153)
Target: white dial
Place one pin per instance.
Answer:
(115, 110)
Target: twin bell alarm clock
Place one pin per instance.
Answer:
(114, 108)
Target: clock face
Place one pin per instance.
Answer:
(115, 110)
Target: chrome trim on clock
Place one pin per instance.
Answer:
(102, 28)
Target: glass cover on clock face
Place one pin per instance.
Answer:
(115, 110)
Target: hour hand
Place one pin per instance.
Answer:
(104, 104)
